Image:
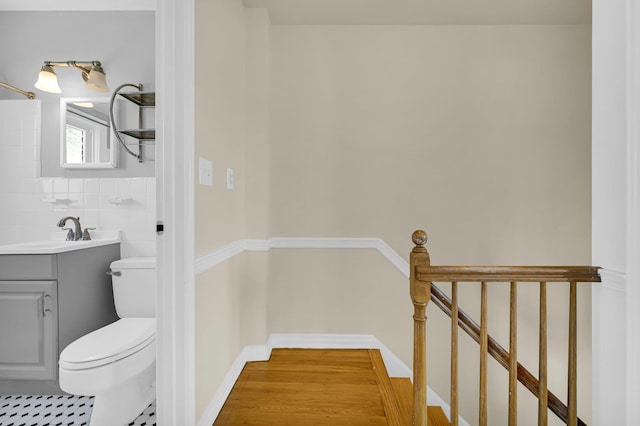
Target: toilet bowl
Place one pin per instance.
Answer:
(116, 363)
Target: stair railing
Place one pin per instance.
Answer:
(422, 276)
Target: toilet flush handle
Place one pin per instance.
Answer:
(114, 273)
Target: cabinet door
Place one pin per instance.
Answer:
(28, 330)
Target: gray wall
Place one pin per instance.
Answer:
(123, 41)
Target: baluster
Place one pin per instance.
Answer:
(454, 354)
(572, 412)
(513, 356)
(483, 355)
(542, 359)
(419, 366)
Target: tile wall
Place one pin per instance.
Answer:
(31, 205)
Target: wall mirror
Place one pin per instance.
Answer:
(86, 137)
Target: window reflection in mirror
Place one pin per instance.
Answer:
(86, 135)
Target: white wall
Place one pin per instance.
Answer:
(19, 168)
(231, 81)
(27, 211)
(609, 229)
(478, 134)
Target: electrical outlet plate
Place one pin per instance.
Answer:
(229, 178)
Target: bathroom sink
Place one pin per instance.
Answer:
(59, 245)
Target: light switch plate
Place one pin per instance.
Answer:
(205, 172)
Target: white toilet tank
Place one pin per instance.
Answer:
(134, 287)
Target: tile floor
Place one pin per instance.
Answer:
(56, 410)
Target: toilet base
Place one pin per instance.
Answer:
(121, 405)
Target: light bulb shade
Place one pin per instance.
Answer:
(47, 80)
(97, 80)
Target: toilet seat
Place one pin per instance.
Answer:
(109, 344)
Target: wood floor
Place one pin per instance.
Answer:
(320, 387)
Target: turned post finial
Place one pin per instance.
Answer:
(420, 292)
(419, 238)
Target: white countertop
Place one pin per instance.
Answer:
(58, 245)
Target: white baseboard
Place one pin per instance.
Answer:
(247, 354)
(395, 367)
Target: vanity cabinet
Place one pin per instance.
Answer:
(28, 325)
(46, 302)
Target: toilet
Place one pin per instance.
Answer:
(116, 363)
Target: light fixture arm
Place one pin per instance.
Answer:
(83, 66)
(29, 95)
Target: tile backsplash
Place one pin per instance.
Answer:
(32, 205)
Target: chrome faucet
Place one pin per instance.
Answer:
(72, 235)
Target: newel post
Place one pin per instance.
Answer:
(420, 295)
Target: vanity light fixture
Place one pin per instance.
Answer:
(92, 74)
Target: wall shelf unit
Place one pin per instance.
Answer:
(141, 100)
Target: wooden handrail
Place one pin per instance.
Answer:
(422, 289)
(497, 274)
